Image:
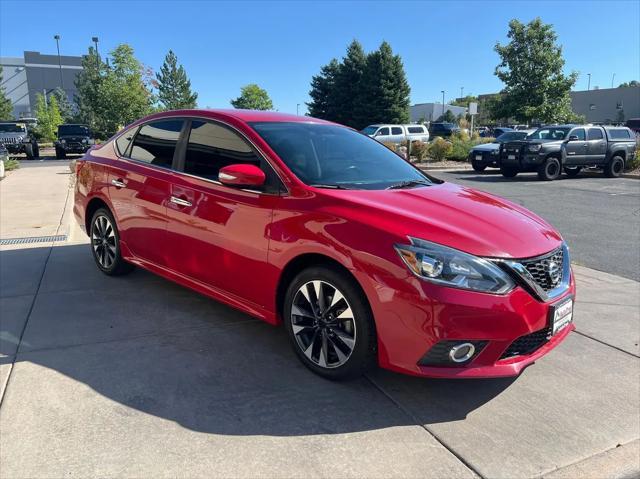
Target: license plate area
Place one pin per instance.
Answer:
(512, 157)
(478, 157)
(561, 315)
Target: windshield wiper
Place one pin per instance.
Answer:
(328, 185)
(408, 184)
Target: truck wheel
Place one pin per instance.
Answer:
(60, 154)
(36, 151)
(508, 172)
(614, 168)
(550, 169)
(573, 171)
(28, 149)
(477, 166)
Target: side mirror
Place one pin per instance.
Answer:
(377, 133)
(241, 175)
(573, 138)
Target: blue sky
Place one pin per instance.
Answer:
(280, 45)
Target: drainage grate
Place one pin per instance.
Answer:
(32, 239)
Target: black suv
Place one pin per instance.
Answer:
(73, 139)
(550, 149)
(445, 130)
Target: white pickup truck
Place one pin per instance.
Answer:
(397, 133)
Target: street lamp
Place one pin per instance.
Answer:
(461, 92)
(612, 78)
(95, 41)
(589, 84)
(57, 39)
(442, 91)
(297, 108)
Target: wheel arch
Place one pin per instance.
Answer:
(94, 205)
(621, 153)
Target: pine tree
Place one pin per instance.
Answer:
(174, 88)
(65, 107)
(6, 108)
(323, 103)
(88, 98)
(349, 94)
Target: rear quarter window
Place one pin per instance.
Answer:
(415, 129)
(621, 134)
(124, 140)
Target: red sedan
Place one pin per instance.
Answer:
(363, 257)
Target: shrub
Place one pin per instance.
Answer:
(392, 146)
(439, 149)
(11, 164)
(635, 163)
(460, 149)
(419, 149)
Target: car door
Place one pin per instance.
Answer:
(383, 135)
(397, 134)
(576, 149)
(139, 188)
(219, 234)
(597, 146)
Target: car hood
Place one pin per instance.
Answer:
(459, 217)
(7, 134)
(487, 147)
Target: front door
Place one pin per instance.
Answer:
(597, 149)
(576, 150)
(219, 234)
(383, 135)
(139, 189)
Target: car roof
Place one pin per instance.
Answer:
(244, 115)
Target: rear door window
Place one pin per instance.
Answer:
(595, 134)
(396, 130)
(156, 142)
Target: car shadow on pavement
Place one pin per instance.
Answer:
(494, 176)
(151, 346)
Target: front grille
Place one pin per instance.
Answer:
(10, 141)
(527, 344)
(546, 271)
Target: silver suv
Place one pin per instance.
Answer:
(16, 138)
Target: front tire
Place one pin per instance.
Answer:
(615, 167)
(60, 154)
(105, 244)
(330, 323)
(508, 172)
(479, 167)
(550, 169)
(31, 151)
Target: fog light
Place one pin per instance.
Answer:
(461, 352)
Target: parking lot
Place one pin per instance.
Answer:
(136, 376)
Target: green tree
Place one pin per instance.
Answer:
(323, 102)
(448, 117)
(49, 117)
(385, 95)
(174, 88)
(252, 97)
(88, 98)
(349, 92)
(464, 101)
(6, 108)
(64, 105)
(632, 83)
(531, 68)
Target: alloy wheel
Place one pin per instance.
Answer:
(103, 240)
(323, 324)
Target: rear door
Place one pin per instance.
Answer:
(219, 234)
(576, 150)
(597, 149)
(397, 134)
(139, 189)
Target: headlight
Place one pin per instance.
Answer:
(449, 267)
(84, 140)
(494, 152)
(535, 147)
(63, 141)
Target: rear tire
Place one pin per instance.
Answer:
(572, 172)
(550, 170)
(509, 172)
(615, 167)
(105, 244)
(478, 166)
(332, 335)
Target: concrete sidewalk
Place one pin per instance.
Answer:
(139, 377)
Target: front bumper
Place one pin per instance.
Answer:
(413, 317)
(14, 147)
(484, 158)
(73, 147)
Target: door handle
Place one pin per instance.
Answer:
(118, 183)
(180, 201)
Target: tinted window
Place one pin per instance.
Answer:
(396, 130)
(122, 142)
(331, 155)
(579, 133)
(383, 131)
(511, 136)
(80, 130)
(212, 146)
(595, 134)
(619, 134)
(156, 142)
(370, 130)
(550, 133)
(13, 128)
(415, 129)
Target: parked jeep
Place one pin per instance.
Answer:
(73, 139)
(16, 138)
(551, 149)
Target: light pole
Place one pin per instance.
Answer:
(442, 91)
(297, 108)
(461, 92)
(589, 83)
(612, 78)
(95, 41)
(57, 39)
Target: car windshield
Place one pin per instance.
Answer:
(370, 130)
(335, 156)
(12, 128)
(511, 136)
(73, 130)
(550, 133)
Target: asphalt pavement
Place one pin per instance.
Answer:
(598, 217)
